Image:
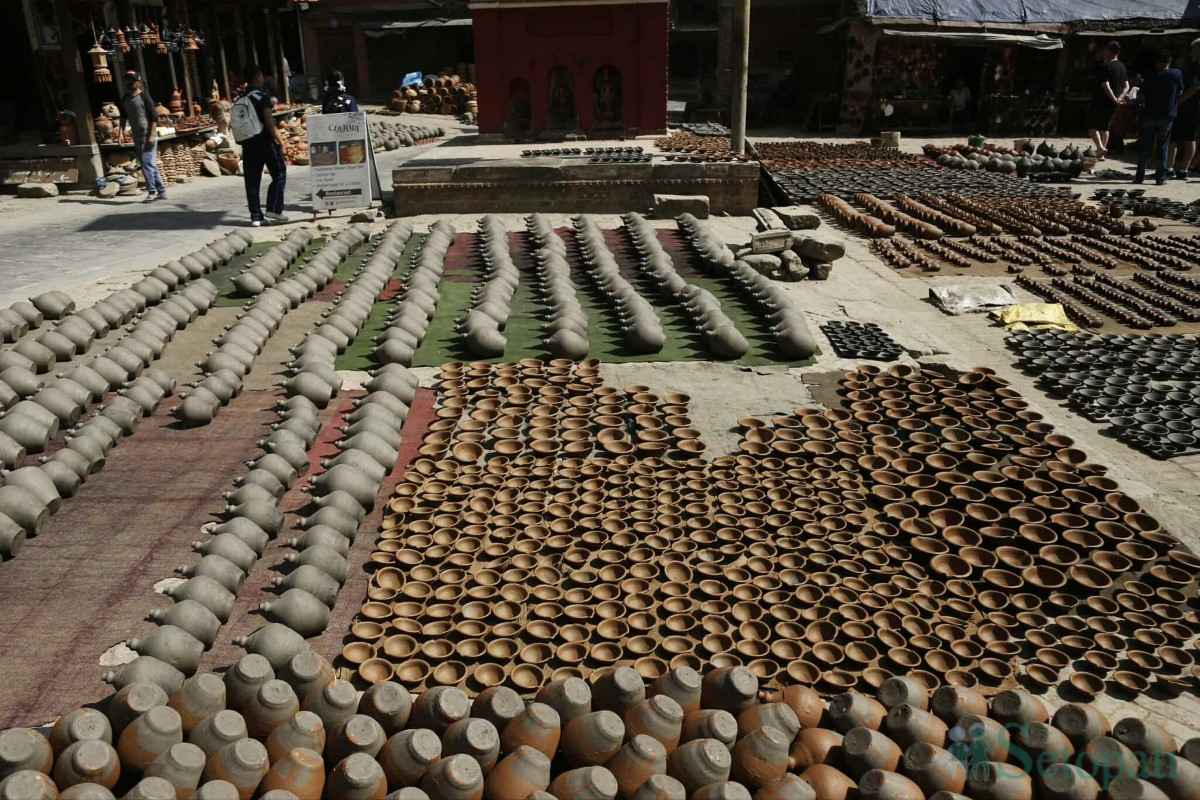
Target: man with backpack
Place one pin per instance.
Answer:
(253, 127)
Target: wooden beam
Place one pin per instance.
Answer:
(220, 41)
(281, 56)
(76, 82)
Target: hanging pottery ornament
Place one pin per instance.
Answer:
(191, 45)
(100, 71)
(888, 109)
(122, 42)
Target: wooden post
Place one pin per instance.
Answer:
(239, 35)
(216, 37)
(272, 54)
(249, 19)
(76, 82)
(280, 56)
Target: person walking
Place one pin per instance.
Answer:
(254, 128)
(1186, 129)
(960, 107)
(336, 99)
(1111, 83)
(1160, 97)
(138, 107)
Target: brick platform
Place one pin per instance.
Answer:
(553, 185)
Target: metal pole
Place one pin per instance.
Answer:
(741, 68)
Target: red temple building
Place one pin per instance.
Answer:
(548, 69)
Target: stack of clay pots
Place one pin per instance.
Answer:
(720, 333)
(491, 300)
(566, 328)
(237, 347)
(409, 320)
(265, 270)
(387, 135)
(788, 324)
(280, 725)
(179, 160)
(639, 323)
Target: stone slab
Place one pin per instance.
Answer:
(770, 241)
(670, 206)
(819, 246)
(798, 218)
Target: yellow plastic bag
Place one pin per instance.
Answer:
(1035, 316)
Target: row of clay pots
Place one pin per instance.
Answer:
(205, 600)
(720, 333)
(637, 318)
(31, 494)
(408, 322)
(566, 328)
(25, 315)
(787, 323)
(897, 218)
(224, 370)
(264, 271)
(491, 299)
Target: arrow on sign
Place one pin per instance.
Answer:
(323, 193)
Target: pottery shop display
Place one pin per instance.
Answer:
(861, 340)
(553, 526)
(615, 735)
(1146, 387)
(443, 93)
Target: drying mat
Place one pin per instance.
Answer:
(86, 583)
(524, 329)
(257, 589)
(223, 278)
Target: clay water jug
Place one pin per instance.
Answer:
(456, 777)
(171, 645)
(307, 670)
(898, 690)
(390, 704)
(207, 592)
(518, 774)
(149, 736)
(229, 547)
(324, 559)
(300, 771)
(438, 708)
(776, 715)
(37, 483)
(357, 777)
(243, 680)
(852, 710)
(88, 761)
(537, 727)
(251, 534)
(12, 538)
(24, 749)
(408, 754)
(729, 689)
(570, 697)
(476, 738)
(658, 716)
(219, 568)
(146, 669)
(617, 689)
(243, 763)
(298, 610)
(199, 698)
(585, 783)
(277, 643)
(699, 763)
(182, 766)
(304, 730)
(760, 757)
(79, 725)
(272, 705)
(23, 508)
(323, 535)
(592, 739)
(498, 705)
(217, 731)
(131, 702)
(710, 724)
(332, 703)
(639, 759)
(789, 787)
(28, 784)
(217, 790)
(152, 789)
(355, 734)
(664, 787)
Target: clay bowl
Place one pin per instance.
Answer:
(803, 672)
(1130, 682)
(525, 678)
(1053, 658)
(366, 631)
(449, 673)
(375, 670)
(993, 670)
(411, 673)
(1041, 676)
(1099, 662)
(358, 653)
(399, 647)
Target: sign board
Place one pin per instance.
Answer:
(341, 161)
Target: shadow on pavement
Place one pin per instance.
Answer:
(157, 218)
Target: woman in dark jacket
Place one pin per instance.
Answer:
(336, 99)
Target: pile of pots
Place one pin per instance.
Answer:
(566, 328)
(1051, 293)
(848, 216)
(265, 270)
(636, 316)
(806, 186)
(899, 219)
(1157, 206)
(387, 135)
(284, 727)
(932, 216)
(1147, 387)
(900, 254)
(491, 299)
(825, 156)
(720, 334)
(409, 320)
(864, 341)
(683, 146)
(787, 323)
(1045, 163)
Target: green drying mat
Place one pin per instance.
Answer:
(359, 354)
(223, 277)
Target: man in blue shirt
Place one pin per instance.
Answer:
(1160, 97)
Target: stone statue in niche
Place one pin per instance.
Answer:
(561, 114)
(520, 114)
(606, 97)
